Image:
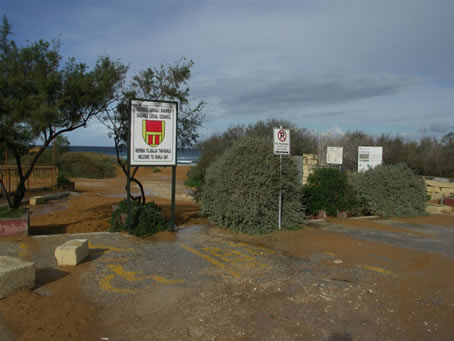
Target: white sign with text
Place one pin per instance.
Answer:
(369, 157)
(334, 155)
(153, 133)
(281, 139)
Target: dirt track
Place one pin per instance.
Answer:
(344, 280)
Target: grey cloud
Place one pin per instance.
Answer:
(328, 114)
(437, 128)
(259, 95)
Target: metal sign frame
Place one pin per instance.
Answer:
(173, 164)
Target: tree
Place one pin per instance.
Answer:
(41, 99)
(163, 83)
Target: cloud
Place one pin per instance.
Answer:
(437, 128)
(262, 95)
(378, 66)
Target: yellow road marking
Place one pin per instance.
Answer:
(228, 255)
(376, 269)
(130, 276)
(238, 244)
(164, 280)
(108, 248)
(255, 250)
(104, 283)
(329, 254)
(23, 252)
(209, 259)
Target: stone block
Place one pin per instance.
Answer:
(435, 196)
(433, 183)
(15, 275)
(438, 209)
(447, 191)
(38, 200)
(71, 252)
(431, 189)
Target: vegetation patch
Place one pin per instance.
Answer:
(390, 190)
(329, 190)
(6, 212)
(241, 189)
(146, 219)
(87, 165)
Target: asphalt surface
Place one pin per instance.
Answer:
(206, 284)
(440, 239)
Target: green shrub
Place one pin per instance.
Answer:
(303, 141)
(329, 190)
(87, 165)
(63, 181)
(391, 190)
(241, 188)
(6, 212)
(145, 219)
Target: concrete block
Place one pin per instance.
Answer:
(15, 275)
(38, 200)
(71, 252)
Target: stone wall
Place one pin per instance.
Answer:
(310, 163)
(438, 188)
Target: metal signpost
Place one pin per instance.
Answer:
(152, 140)
(281, 141)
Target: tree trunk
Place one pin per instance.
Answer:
(19, 194)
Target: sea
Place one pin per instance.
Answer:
(187, 156)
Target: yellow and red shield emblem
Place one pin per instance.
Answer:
(153, 132)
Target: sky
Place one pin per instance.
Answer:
(379, 66)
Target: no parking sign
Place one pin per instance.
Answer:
(281, 141)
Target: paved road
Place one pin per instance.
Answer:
(436, 239)
(204, 284)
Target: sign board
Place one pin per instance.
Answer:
(334, 155)
(153, 133)
(281, 139)
(369, 157)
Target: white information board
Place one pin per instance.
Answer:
(369, 157)
(153, 140)
(334, 155)
(281, 139)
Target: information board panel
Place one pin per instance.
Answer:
(153, 133)
(334, 155)
(369, 157)
(281, 139)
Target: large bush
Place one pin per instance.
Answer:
(303, 141)
(87, 165)
(145, 219)
(329, 190)
(391, 190)
(241, 188)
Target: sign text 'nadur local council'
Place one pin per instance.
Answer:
(153, 133)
